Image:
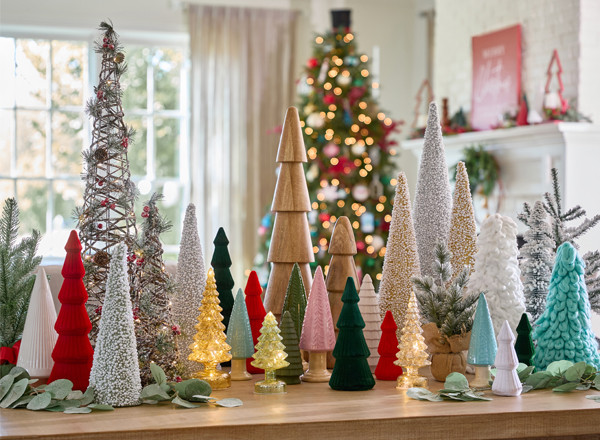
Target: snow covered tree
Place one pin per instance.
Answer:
(401, 261)
(506, 382)
(433, 201)
(462, 240)
(189, 284)
(239, 337)
(497, 271)
(290, 374)
(369, 309)
(482, 347)
(537, 260)
(115, 373)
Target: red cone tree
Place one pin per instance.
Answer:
(256, 313)
(73, 352)
(387, 349)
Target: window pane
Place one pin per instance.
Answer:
(135, 79)
(69, 69)
(32, 60)
(6, 139)
(67, 195)
(31, 143)
(167, 78)
(137, 150)
(7, 72)
(166, 140)
(7, 189)
(32, 196)
(170, 207)
(68, 141)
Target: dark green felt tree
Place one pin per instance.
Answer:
(351, 371)
(295, 299)
(524, 344)
(290, 374)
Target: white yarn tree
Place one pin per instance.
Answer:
(497, 272)
(433, 202)
(190, 281)
(115, 371)
(369, 309)
(537, 261)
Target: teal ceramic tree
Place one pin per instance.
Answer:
(483, 347)
(563, 331)
(524, 345)
(239, 337)
(295, 300)
(290, 374)
(351, 371)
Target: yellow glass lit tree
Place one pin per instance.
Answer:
(412, 353)
(209, 347)
(269, 356)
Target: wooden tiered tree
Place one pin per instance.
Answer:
(290, 241)
(369, 309)
(256, 313)
(342, 249)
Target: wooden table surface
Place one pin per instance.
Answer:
(314, 411)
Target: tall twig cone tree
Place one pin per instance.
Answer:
(369, 309)
(290, 241)
(256, 313)
(462, 241)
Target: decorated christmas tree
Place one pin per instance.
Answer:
(524, 344)
(209, 347)
(239, 337)
(106, 217)
(115, 373)
(506, 382)
(462, 240)
(154, 328)
(256, 313)
(295, 300)
(387, 349)
(401, 261)
(482, 347)
(73, 352)
(351, 371)
(563, 331)
(432, 212)
(189, 284)
(369, 309)
(290, 374)
(221, 262)
(270, 356)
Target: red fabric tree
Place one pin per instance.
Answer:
(73, 352)
(256, 313)
(387, 349)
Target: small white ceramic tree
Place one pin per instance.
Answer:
(507, 381)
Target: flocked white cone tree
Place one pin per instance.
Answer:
(190, 281)
(115, 373)
(369, 309)
(497, 272)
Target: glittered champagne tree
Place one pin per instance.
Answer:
(209, 347)
(290, 240)
(401, 261)
(256, 313)
(482, 347)
(524, 344)
(369, 309)
(387, 349)
(106, 217)
(462, 239)
(290, 374)
(270, 356)
(239, 337)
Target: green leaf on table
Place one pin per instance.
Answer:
(22, 401)
(521, 367)
(41, 401)
(456, 382)
(165, 387)
(60, 388)
(158, 374)
(229, 402)
(100, 407)
(526, 389)
(539, 380)
(525, 372)
(202, 399)
(583, 386)
(566, 387)
(19, 373)
(558, 368)
(594, 397)
(575, 372)
(78, 410)
(75, 394)
(149, 401)
(196, 387)
(5, 384)
(423, 394)
(154, 392)
(14, 393)
(5, 369)
(597, 382)
(472, 395)
(88, 396)
(184, 403)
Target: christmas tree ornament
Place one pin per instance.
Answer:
(290, 240)
(221, 262)
(209, 347)
(290, 374)
(563, 331)
(256, 314)
(351, 371)
(388, 349)
(506, 382)
(401, 261)
(318, 334)
(269, 356)
(331, 150)
(462, 239)
(39, 336)
(524, 344)
(360, 192)
(73, 352)
(367, 223)
(412, 350)
(369, 309)
(432, 212)
(239, 337)
(554, 103)
(315, 120)
(190, 281)
(482, 347)
(115, 373)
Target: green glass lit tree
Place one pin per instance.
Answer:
(524, 344)
(290, 374)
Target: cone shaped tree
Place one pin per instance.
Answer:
(482, 347)
(524, 345)
(563, 331)
(190, 280)
(387, 349)
(73, 352)
(221, 262)
(369, 309)
(433, 201)
(506, 382)
(462, 239)
(239, 337)
(295, 299)
(401, 261)
(39, 336)
(351, 371)
(115, 373)
(256, 313)
(270, 356)
(290, 240)
(290, 374)
(318, 334)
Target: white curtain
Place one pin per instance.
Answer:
(243, 73)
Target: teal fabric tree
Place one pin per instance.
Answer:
(239, 337)
(351, 371)
(524, 344)
(290, 374)
(295, 300)
(563, 331)
(483, 347)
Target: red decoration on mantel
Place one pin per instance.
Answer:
(256, 313)
(425, 86)
(387, 349)
(555, 100)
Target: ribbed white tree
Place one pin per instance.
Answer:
(506, 382)
(190, 281)
(433, 202)
(369, 309)
(115, 371)
(497, 271)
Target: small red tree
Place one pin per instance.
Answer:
(73, 353)
(256, 313)
(387, 349)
